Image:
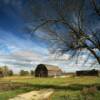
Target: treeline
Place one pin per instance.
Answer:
(5, 71)
(25, 73)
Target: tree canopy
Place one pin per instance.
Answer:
(66, 25)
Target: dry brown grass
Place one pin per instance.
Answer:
(90, 90)
(5, 86)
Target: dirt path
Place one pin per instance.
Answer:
(35, 95)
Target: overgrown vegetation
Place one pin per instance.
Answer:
(69, 88)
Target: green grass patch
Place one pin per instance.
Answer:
(65, 88)
(5, 95)
(74, 95)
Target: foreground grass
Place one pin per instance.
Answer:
(5, 95)
(65, 88)
(74, 95)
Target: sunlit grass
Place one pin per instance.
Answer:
(64, 87)
(66, 80)
(5, 95)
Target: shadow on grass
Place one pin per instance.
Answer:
(72, 87)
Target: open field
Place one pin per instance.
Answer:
(68, 88)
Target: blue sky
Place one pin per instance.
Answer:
(19, 50)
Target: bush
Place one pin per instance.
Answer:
(90, 90)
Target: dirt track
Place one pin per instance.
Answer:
(35, 95)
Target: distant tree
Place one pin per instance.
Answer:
(10, 73)
(24, 73)
(5, 70)
(32, 72)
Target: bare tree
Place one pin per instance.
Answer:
(67, 28)
(96, 7)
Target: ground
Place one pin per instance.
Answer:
(66, 88)
(42, 94)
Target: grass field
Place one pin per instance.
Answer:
(68, 88)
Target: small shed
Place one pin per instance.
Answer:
(44, 70)
(87, 73)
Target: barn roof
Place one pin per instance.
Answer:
(52, 67)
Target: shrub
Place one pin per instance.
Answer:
(84, 91)
(90, 90)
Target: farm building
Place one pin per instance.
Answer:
(43, 70)
(87, 73)
(1, 73)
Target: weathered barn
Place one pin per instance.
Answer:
(43, 70)
(87, 73)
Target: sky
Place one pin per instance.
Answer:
(19, 50)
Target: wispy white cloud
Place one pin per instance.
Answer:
(22, 53)
(28, 60)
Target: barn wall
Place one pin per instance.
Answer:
(54, 73)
